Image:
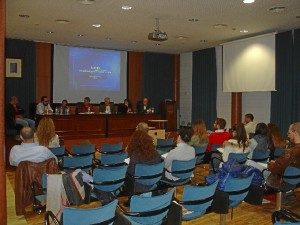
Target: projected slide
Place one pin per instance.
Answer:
(92, 69)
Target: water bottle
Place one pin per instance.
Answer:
(67, 110)
(56, 110)
(89, 109)
(152, 109)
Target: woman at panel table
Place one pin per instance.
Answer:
(45, 133)
(125, 107)
(141, 150)
(200, 137)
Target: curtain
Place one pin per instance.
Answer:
(157, 79)
(23, 88)
(204, 86)
(296, 82)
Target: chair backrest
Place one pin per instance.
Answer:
(240, 157)
(164, 145)
(110, 160)
(197, 199)
(79, 162)
(214, 147)
(237, 188)
(143, 203)
(278, 152)
(59, 152)
(111, 148)
(200, 153)
(261, 156)
(183, 169)
(77, 216)
(109, 179)
(148, 174)
(291, 175)
(83, 149)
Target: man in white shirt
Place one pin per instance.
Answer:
(29, 150)
(250, 125)
(44, 107)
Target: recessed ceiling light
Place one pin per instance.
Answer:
(126, 7)
(203, 41)
(24, 16)
(80, 35)
(220, 25)
(108, 38)
(62, 21)
(50, 32)
(180, 37)
(157, 44)
(248, 1)
(96, 25)
(86, 2)
(133, 42)
(193, 20)
(277, 9)
(244, 31)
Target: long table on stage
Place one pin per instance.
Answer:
(98, 125)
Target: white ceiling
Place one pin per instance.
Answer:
(124, 27)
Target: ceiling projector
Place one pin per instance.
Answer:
(157, 35)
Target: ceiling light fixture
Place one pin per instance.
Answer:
(62, 21)
(220, 25)
(248, 1)
(108, 38)
(96, 25)
(193, 20)
(126, 7)
(86, 2)
(277, 9)
(50, 32)
(133, 42)
(244, 31)
(80, 35)
(24, 16)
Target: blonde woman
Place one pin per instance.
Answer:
(45, 133)
(199, 137)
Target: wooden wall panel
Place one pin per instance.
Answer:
(43, 70)
(3, 216)
(135, 70)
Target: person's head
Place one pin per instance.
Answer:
(14, 100)
(45, 131)
(220, 123)
(241, 135)
(199, 128)
(27, 134)
(145, 101)
(107, 101)
(64, 103)
(262, 129)
(294, 132)
(126, 102)
(142, 127)
(45, 100)
(249, 118)
(185, 135)
(86, 101)
(233, 132)
(141, 146)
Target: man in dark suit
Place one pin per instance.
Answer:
(143, 106)
(107, 107)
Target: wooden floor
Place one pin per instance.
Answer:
(244, 214)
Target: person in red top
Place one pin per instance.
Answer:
(86, 107)
(219, 136)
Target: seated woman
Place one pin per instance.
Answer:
(125, 107)
(45, 133)
(140, 150)
(276, 139)
(200, 137)
(260, 141)
(183, 151)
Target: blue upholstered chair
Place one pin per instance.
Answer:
(84, 163)
(59, 152)
(261, 156)
(106, 148)
(164, 145)
(197, 199)
(77, 216)
(112, 155)
(285, 217)
(200, 153)
(278, 152)
(147, 209)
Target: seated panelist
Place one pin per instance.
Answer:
(143, 106)
(86, 107)
(44, 107)
(125, 107)
(107, 107)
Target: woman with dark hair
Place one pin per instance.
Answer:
(275, 139)
(199, 137)
(140, 150)
(238, 144)
(260, 141)
(183, 151)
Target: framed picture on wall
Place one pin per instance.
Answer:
(14, 68)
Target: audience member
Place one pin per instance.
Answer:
(143, 107)
(29, 150)
(199, 137)
(260, 141)
(275, 139)
(86, 107)
(15, 115)
(233, 132)
(45, 134)
(107, 107)
(140, 151)
(183, 151)
(219, 136)
(125, 107)
(250, 125)
(44, 107)
(142, 127)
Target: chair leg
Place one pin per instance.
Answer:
(278, 201)
(223, 219)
